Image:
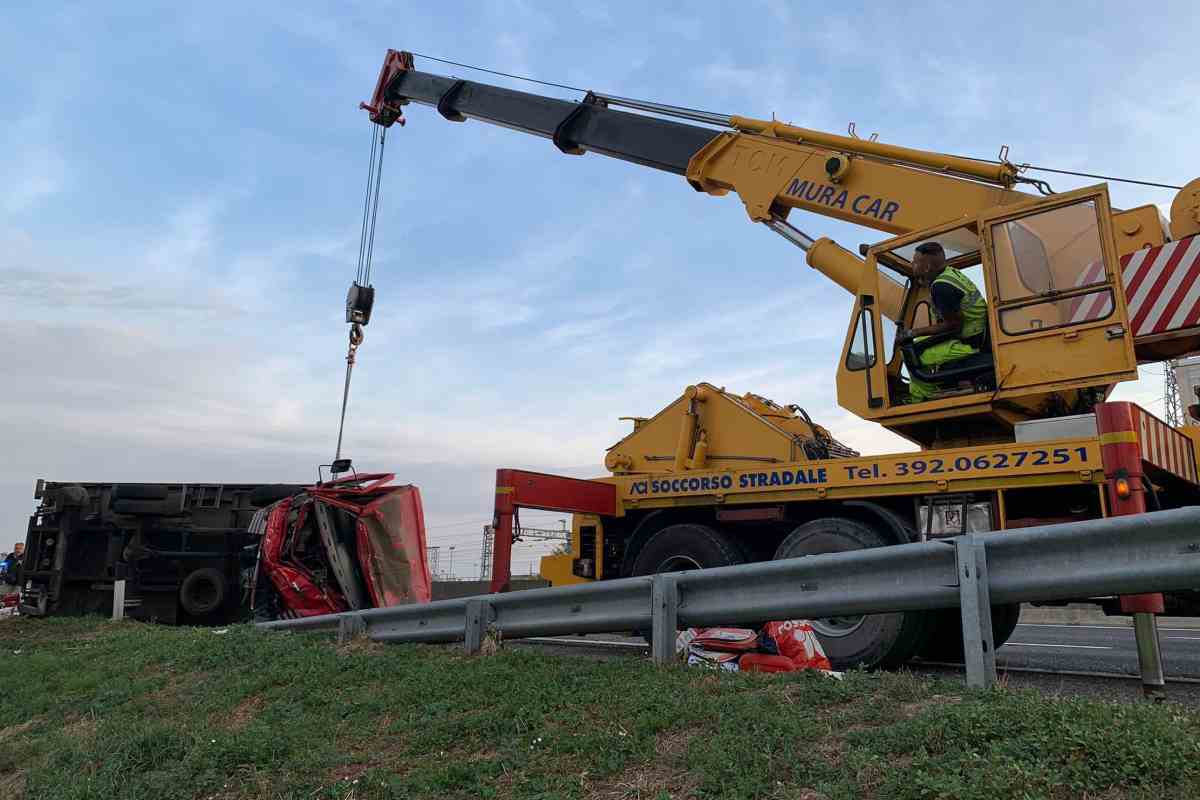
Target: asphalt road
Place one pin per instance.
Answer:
(1098, 648)
(1055, 659)
(1106, 649)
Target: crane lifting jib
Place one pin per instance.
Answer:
(757, 159)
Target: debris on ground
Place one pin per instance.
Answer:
(786, 646)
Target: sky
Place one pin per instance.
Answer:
(181, 194)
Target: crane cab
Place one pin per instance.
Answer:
(1058, 338)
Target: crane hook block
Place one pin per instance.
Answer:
(359, 301)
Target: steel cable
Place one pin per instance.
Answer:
(1023, 167)
(362, 237)
(366, 281)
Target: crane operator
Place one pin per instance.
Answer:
(959, 308)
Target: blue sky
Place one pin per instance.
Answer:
(180, 191)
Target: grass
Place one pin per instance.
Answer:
(94, 709)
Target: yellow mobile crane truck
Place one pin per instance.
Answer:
(1078, 293)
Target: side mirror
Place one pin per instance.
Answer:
(338, 467)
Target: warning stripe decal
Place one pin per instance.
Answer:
(1165, 447)
(1162, 288)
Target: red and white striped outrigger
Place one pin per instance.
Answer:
(1162, 295)
(1162, 287)
(1164, 447)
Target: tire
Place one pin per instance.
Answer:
(686, 546)
(945, 641)
(264, 496)
(139, 491)
(872, 641)
(202, 592)
(682, 547)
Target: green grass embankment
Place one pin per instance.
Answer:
(99, 710)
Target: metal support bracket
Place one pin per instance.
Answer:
(1145, 631)
(478, 615)
(118, 608)
(973, 596)
(664, 619)
(560, 138)
(350, 626)
(445, 103)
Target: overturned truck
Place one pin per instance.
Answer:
(215, 553)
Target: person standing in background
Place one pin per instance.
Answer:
(8, 567)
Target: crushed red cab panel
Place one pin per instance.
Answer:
(390, 533)
(357, 542)
(300, 593)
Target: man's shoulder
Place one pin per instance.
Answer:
(945, 289)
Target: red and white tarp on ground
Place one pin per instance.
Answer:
(785, 646)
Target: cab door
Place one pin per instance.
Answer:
(1057, 316)
(862, 373)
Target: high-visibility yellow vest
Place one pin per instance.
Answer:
(973, 308)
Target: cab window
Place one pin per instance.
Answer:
(1044, 264)
(862, 348)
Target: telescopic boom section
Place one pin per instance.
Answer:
(573, 127)
(772, 166)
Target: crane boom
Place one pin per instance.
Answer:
(573, 127)
(772, 166)
(775, 167)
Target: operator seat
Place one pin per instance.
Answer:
(978, 369)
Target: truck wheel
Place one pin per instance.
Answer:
(869, 641)
(686, 546)
(202, 592)
(945, 642)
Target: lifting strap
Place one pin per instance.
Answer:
(360, 299)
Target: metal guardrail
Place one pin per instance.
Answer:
(1152, 552)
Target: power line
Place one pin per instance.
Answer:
(455, 524)
(464, 537)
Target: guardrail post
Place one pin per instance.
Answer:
(973, 595)
(664, 619)
(118, 611)
(350, 626)
(1145, 631)
(476, 625)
